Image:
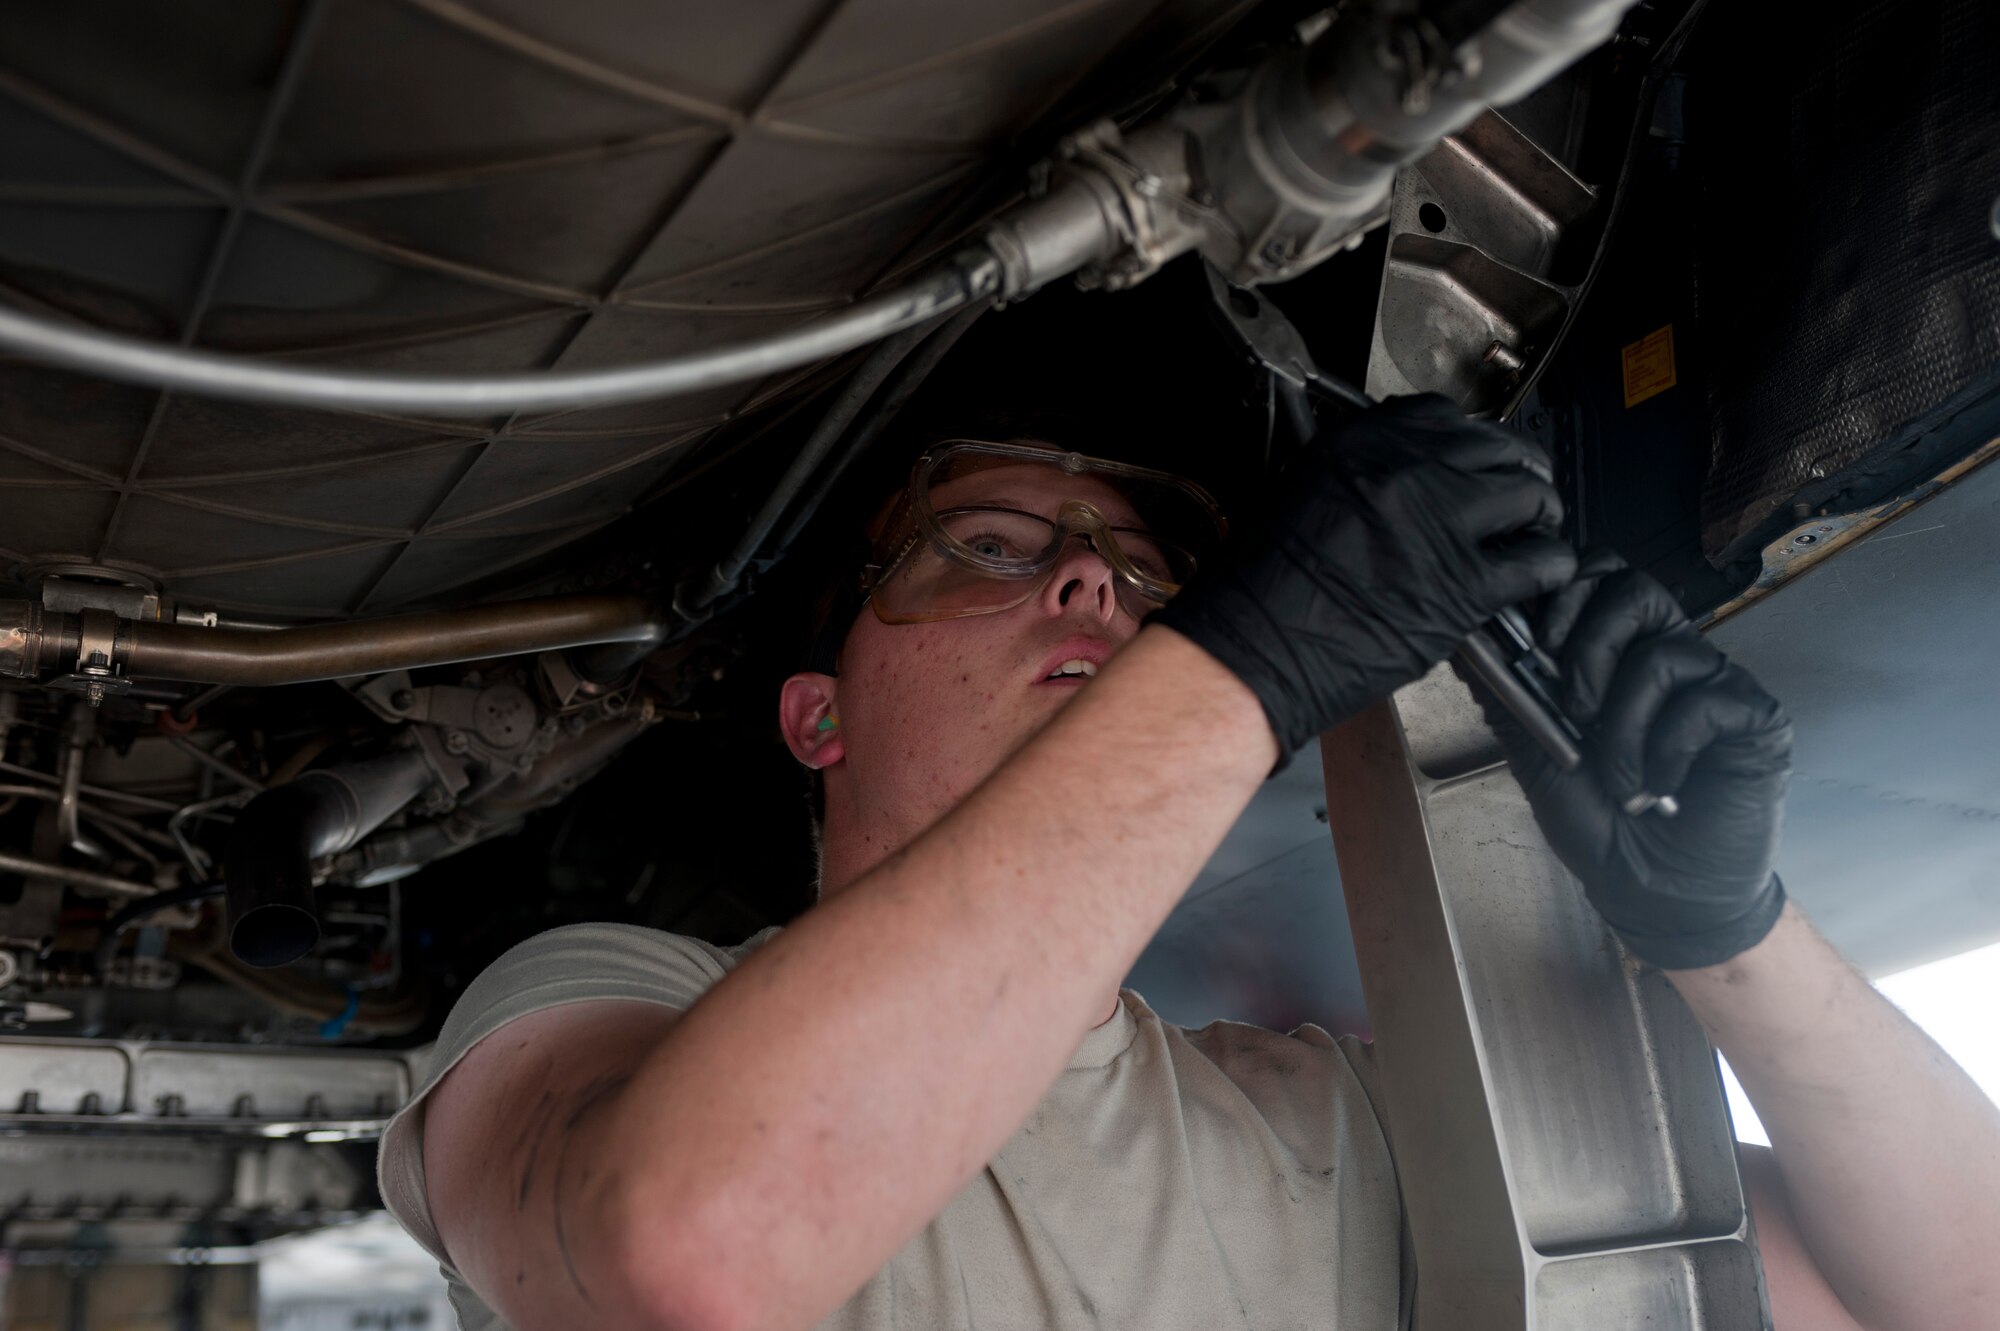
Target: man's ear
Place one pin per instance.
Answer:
(811, 722)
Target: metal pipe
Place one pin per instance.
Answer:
(370, 646)
(197, 862)
(268, 870)
(215, 764)
(1383, 90)
(693, 600)
(95, 792)
(965, 277)
(76, 738)
(83, 880)
(883, 409)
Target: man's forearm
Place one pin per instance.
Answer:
(831, 1095)
(1890, 1153)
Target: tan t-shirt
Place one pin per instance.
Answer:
(1225, 1179)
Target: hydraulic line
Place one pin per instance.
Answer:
(858, 411)
(882, 409)
(83, 880)
(970, 276)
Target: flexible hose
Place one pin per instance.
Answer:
(972, 275)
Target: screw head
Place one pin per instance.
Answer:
(456, 742)
(1804, 538)
(403, 700)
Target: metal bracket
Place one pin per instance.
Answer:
(97, 673)
(1561, 1137)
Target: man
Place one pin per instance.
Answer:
(925, 1105)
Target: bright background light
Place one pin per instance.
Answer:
(1955, 1001)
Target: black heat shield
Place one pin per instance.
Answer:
(1847, 271)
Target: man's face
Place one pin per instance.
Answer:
(928, 710)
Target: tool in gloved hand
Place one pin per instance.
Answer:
(1667, 712)
(1501, 654)
(1263, 332)
(1381, 555)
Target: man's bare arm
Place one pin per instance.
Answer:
(498, 1130)
(1890, 1154)
(760, 1160)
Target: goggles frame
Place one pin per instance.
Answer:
(914, 523)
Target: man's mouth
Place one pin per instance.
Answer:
(1073, 661)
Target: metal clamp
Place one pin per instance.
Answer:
(97, 671)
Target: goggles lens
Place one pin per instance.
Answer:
(961, 546)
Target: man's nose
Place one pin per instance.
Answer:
(1081, 577)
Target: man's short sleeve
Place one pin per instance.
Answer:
(575, 964)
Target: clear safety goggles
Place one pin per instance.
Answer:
(950, 550)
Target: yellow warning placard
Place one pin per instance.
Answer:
(1649, 366)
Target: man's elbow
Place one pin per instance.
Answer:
(676, 1271)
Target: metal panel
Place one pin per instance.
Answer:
(1560, 1132)
(1884, 656)
(130, 1086)
(60, 1078)
(1479, 277)
(215, 1082)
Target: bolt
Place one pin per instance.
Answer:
(402, 700)
(456, 742)
(1147, 187)
(1499, 353)
(1804, 538)
(1538, 420)
(524, 764)
(94, 692)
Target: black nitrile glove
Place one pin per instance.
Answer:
(1664, 713)
(1395, 536)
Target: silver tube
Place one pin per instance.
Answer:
(241, 378)
(83, 880)
(1371, 116)
(216, 765)
(76, 738)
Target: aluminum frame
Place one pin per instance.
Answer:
(1562, 1141)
